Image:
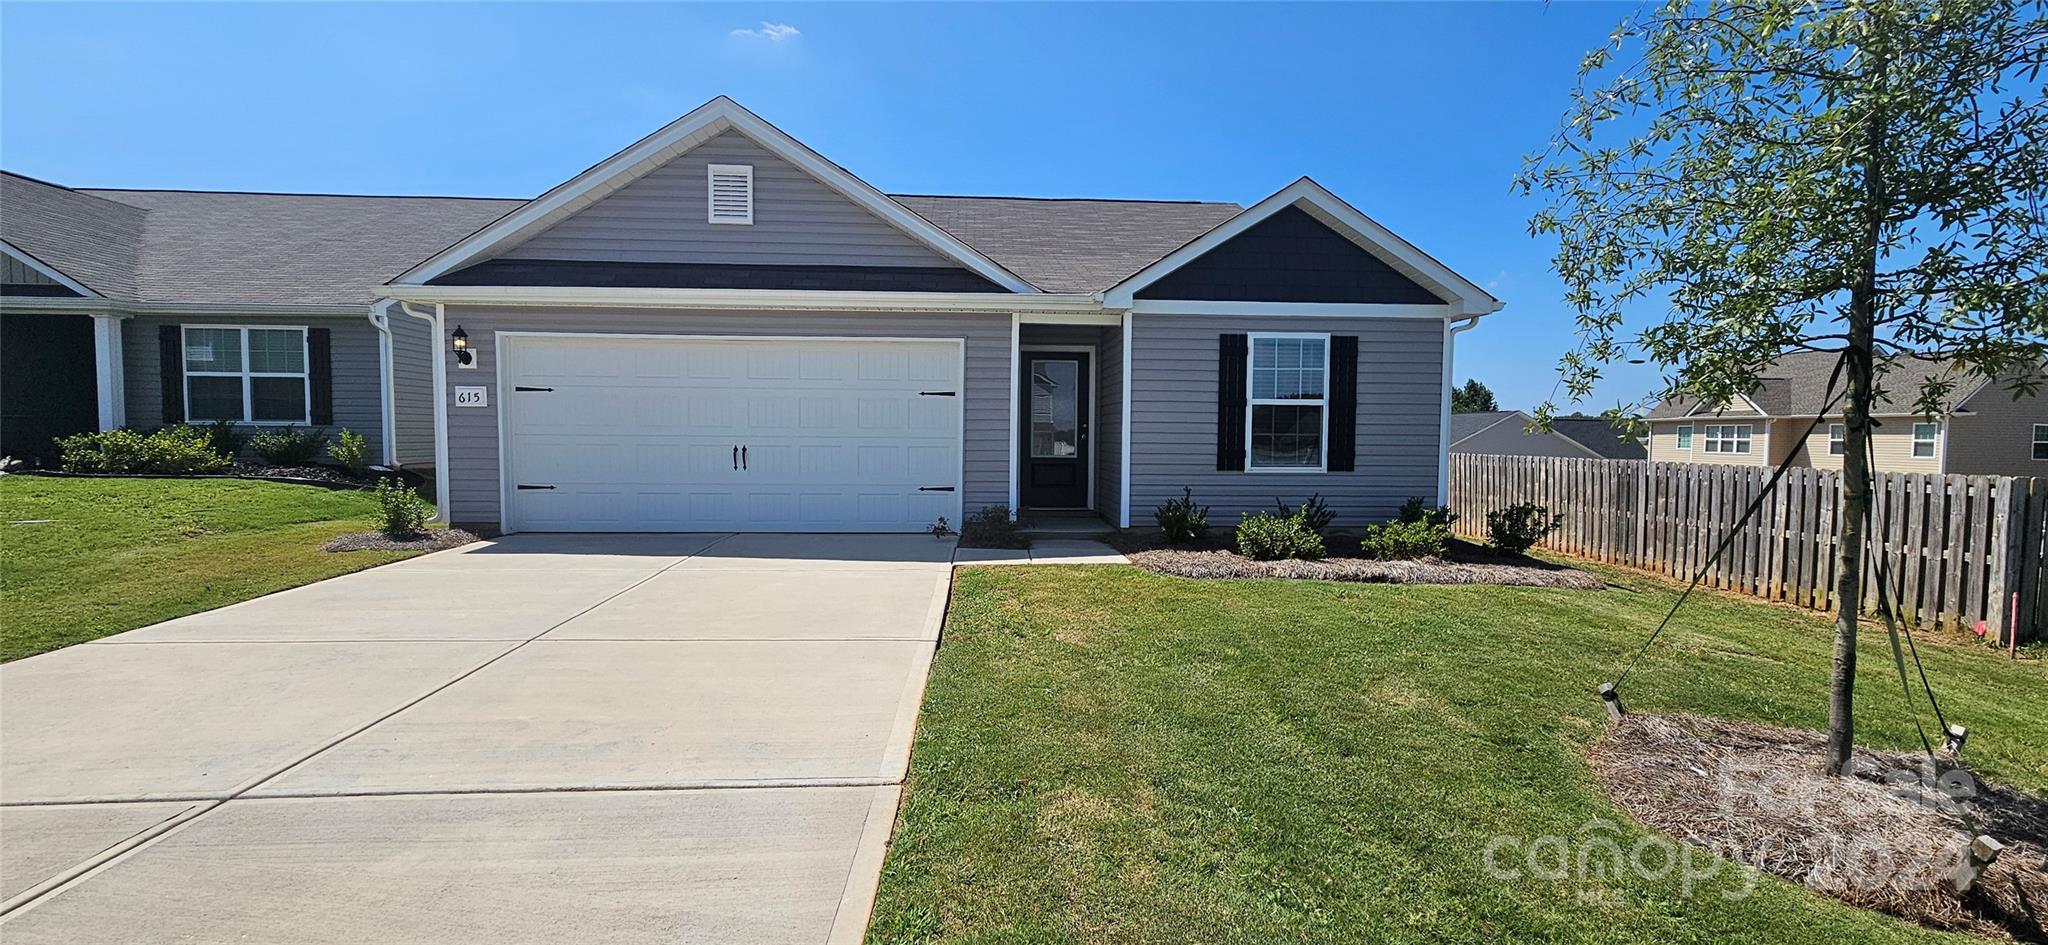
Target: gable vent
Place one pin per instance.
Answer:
(732, 193)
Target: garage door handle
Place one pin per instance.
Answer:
(735, 457)
(523, 487)
(934, 488)
(936, 393)
(549, 390)
(743, 457)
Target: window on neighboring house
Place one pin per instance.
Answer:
(2041, 441)
(1289, 386)
(252, 375)
(1685, 436)
(1728, 437)
(1924, 436)
(1838, 439)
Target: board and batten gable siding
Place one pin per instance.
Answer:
(16, 272)
(413, 350)
(473, 476)
(1289, 257)
(662, 218)
(1173, 418)
(358, 385)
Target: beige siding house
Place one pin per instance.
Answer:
(1984, 430)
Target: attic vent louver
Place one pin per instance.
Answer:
(732, 193)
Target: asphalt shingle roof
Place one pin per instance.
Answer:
(1796, 385)
(1598, 435)
(1466, 424)
(229, 247)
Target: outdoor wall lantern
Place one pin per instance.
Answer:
(463, 356)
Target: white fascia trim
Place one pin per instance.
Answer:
(1469, 299)
(747, 299)
(672, 140)
(31, 305)
(48, 271)
(1293, 309)
(1508, 415)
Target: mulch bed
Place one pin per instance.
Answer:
(434, 540)
(1464, 564)
(329, 477)
(1886, 839)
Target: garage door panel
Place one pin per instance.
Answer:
(838, 436)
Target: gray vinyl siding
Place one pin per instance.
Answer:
(1173, 418)
(661, 218)
(358, 389)
(472, 472)
(1109, 427)
(412, 388)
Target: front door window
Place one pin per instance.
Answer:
(1055, 409)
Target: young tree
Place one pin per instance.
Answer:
(1861, 176)
(1474, 397)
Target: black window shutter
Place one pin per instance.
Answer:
(1230, 371)
(320, 374)
(170, 354)
(1343, 447)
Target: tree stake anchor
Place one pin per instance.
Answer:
(1612, 697)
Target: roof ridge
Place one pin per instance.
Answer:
(82, 192)
(96, 191)
(1191, 203)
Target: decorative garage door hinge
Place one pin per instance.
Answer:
(523, 486)
(935, 393)
(934, 488)
(549, 390)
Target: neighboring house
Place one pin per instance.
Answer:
(719, 329)
(1981, 430)
(148, 307)
(1506, 433)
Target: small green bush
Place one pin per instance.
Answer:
(167, 451)
(1416, 509)
(289, 446)
(401, 513)
(351, 451)
(1314, 513)
(1399, 541)
(993, 527)
(226, 438)
(1268, 537)
(1517, 528)
(1183, 520)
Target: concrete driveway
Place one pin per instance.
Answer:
(655, 738)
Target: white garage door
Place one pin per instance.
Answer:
(608, 433)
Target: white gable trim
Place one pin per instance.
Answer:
(708, 121)
(1466, 298)
(46, 270)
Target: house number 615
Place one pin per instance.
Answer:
(471, 397)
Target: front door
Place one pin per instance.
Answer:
(1055, 446)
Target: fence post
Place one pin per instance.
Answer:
(2008, 522)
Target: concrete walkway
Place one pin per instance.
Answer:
(552, 739)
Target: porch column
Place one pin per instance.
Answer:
(107, 373)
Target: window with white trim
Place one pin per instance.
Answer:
(245, 374)
(729, 193)
(1685, 436)
(2041, 441)
(1838, 439)
(1289, 385)
(1925, 435)
(1728, 437)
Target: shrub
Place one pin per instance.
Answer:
(993, 527)
(1517, 528)
(1399, 541)
(351, 451)
(227, 439)
(1416, 510)
(170, 450)
(1183, 520)
(1268, 537)
(1314, 513)
(401, 513)
(289, 446)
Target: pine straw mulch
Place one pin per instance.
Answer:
(431, 540)
(1465, 563)
(1886, 839)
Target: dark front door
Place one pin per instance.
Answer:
(1055, 447)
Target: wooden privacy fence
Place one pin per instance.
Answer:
(1957, 548)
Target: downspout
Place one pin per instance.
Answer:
(1443, 432)
(380, 319)
(441, 471)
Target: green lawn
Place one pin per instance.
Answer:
(83, 558)
(1111, 755)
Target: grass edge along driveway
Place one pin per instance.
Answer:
(1111, 755)
(84, 558)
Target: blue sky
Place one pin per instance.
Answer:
(1417, 113)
